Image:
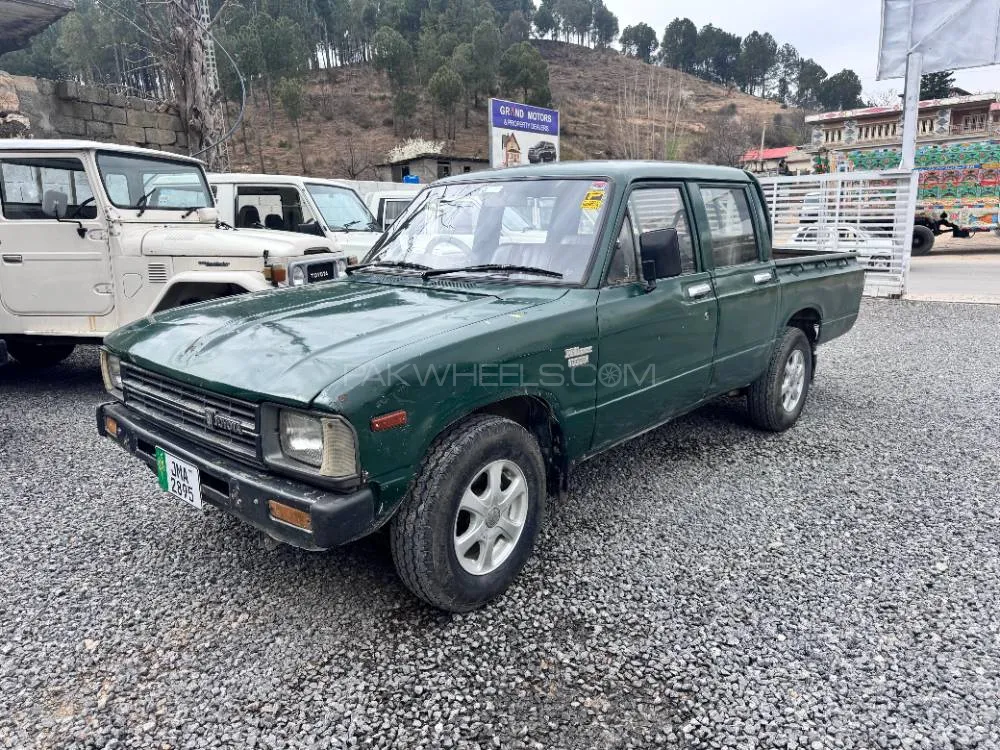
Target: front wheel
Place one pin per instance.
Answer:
(38, 354)
(923, 240)
(776, 398)
(468, 524)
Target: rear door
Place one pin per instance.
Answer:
(745, 283)
(655, 352)
(46, 266)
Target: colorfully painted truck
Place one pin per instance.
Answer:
(509, 326)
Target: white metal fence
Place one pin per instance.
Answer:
(870, 213)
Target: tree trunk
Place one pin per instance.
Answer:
(302, 156)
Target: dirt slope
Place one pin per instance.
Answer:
(605, 100)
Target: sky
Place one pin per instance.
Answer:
(837, 34)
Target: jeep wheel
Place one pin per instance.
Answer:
(923, 240)
(36, 354)
(469, 522)
(776, 398)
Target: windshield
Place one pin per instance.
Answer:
(543, 224)
(143, 182)
(341, 208)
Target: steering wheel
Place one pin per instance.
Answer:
(78, 209)
(448, 240)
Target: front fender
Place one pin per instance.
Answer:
(251, 281)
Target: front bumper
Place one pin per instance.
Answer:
(244, 491)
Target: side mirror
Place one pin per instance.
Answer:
(311, 227)
(660, 253)
(54, 203)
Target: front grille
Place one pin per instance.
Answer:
(227, 424)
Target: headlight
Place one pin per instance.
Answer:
(111, 371)
(341, 267)
(298, 276)
(324, 443)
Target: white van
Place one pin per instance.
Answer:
(95, 235)
(388, 205)
(307, 205)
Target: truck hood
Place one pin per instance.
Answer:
(290, 344)
(241, 243)
(355, 243)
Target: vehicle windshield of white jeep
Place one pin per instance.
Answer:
(545, 224)
(341, 208)
(147, 183)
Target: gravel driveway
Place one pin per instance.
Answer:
(703, 586)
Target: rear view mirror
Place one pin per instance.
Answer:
(660, 253)
(54, 203)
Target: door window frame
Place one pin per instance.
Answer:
(705, 231)
(683, 187)
(92, 180)
(305, 204)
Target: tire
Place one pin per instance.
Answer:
(770, 398)
(923, 240)
(433, 520)
(36, 354)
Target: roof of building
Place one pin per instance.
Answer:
(64, 144)
(448, 157)
(951, 101)
(767, 154)
(622, 171)
(22, 19)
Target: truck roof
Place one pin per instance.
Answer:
(614, 170)
(280, 179)
(68, 144)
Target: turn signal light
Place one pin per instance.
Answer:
(292, 516)
(276, 273)
(111, 426)
(388, 421)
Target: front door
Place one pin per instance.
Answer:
(46, 266)
(655, 352)
(746, 284)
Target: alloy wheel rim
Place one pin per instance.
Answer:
(491, 517)
(794, 380)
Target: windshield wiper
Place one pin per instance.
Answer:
(143, 200)
(494, 267)
(346, 226)
(189, 211)
(390, 264)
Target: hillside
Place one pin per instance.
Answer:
(610, 106)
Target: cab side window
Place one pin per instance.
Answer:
(271, 208)
(731, 226)
(47, 188)
(663, 208)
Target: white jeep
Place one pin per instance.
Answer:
(95, 235)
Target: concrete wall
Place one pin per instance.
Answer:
(38, 108)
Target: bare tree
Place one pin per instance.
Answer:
(727, 137)
(177, 40)
(354, 161)
(647, 115)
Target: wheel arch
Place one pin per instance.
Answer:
(810, 321)
(206, 286)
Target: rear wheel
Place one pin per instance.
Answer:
(923, 240)
(469, 522)
(775, 400)
(39, 354)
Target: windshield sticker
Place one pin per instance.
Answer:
(592, 200)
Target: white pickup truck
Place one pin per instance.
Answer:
(308, 205)
(95, 235)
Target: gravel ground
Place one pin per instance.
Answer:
(704, 586)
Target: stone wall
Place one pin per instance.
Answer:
(38, 108)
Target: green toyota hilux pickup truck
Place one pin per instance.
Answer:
(509, 325)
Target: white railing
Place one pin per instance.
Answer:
(869, 213)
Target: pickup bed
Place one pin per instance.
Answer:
(510, 325)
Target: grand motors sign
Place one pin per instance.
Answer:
(522, 134)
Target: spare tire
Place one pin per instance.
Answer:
(923, 240)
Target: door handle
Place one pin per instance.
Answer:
(762, 278)
(12, 259)
(698, 290)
